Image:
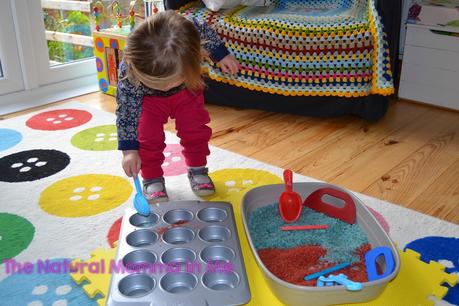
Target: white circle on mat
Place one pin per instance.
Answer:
(112, 139)
(60, 303)
(93, 197)
(57, 122)
(49, 119)
(68, 118)
(165, 164)
(32, 159)
(17, 165)
(176, 158)
(447, 263)
(100, 135)
(230, 183)
(25, 169)
(96, 188)
(62, 115)
(167, 154)
(247, 182)
(79, 189)
(41, 163)
(99, 139)
(113, 134)
(39, 290)
(75, 198)
(35, 303)
(63, 290)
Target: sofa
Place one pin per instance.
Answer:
(364, 87)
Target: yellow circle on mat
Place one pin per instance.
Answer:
(85, 195)
(232, 184)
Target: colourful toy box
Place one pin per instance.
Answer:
(108, 50)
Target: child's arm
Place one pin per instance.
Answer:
(212, 42)
(129, 103)
(216, 48)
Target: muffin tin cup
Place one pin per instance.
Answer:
(136, 285)
(217, 253)
(141, 238)
(178, 216)
(185, 253)
(178, 235)
(144, 222)
(212, 215)
(220, 281)
(214, 233)
(179, 282)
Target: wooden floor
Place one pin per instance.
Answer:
(410, 157)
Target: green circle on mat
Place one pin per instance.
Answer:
(16, 233)
(99, 138)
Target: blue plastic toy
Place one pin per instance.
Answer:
(339, 279)
(140, 203)
(326, 271)
(371, 264)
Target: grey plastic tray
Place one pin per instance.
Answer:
(292, 294)
(180, 232)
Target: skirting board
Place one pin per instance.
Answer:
(22, 100)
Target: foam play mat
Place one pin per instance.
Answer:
(63, 192)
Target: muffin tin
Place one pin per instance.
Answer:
(183, 253)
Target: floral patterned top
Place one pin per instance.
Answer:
(129, 97)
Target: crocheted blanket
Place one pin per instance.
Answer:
(303, 47)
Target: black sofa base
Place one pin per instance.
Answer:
(370, 108)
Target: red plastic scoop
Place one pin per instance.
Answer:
(289, 201)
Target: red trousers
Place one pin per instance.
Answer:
(191, 119)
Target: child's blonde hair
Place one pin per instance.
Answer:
(163, 49)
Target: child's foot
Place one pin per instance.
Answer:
(154, 190)
(200, 182)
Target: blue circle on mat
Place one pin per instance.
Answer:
(45, 285)
(103, 85)
(440, 248)
(9, 138)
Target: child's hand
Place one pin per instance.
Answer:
(131, 162)
(229, 64)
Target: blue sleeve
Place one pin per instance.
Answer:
(128, 108)
(212, 42)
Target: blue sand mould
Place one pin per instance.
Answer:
(140, 203)
(9, 138)
(440, 248)
(43, 287)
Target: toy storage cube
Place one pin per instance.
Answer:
(108, 50)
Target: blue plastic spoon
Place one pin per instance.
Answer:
(140, 203)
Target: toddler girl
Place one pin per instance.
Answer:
(161, 78)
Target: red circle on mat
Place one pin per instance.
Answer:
(380, 219)
(59, 119)
(114, 232)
